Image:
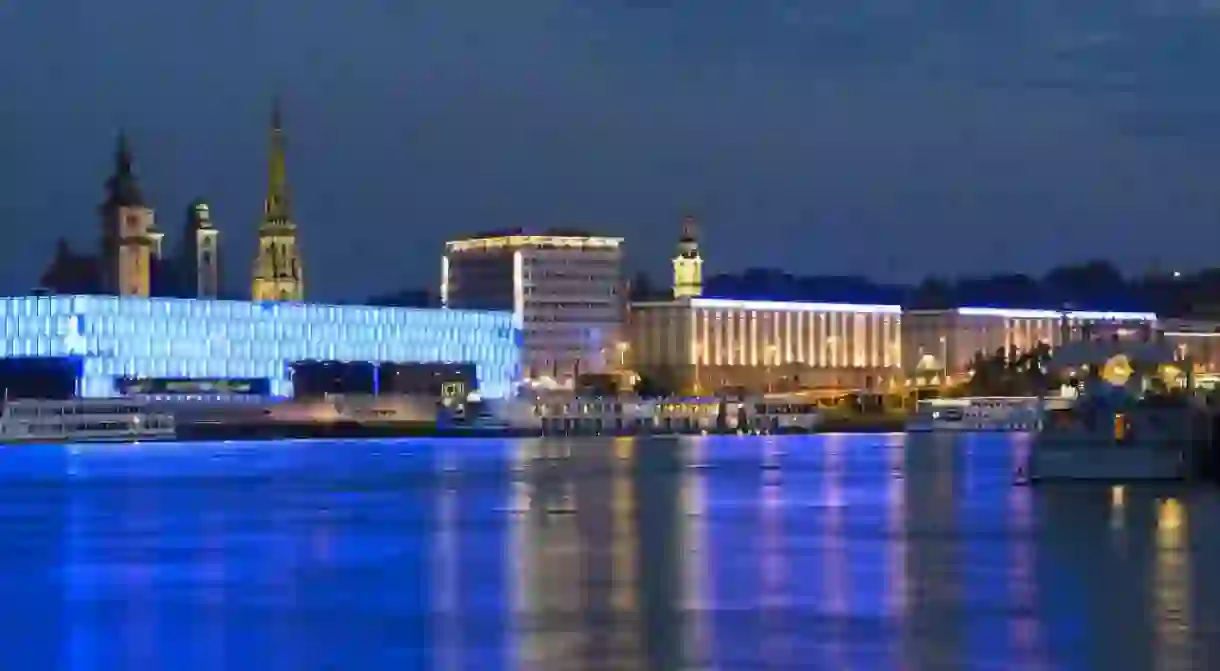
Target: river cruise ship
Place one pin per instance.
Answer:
(983, 413)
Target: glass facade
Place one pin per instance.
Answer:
(178, 338)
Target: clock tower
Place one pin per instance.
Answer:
(688, 264)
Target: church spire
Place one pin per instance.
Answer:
(123, 189)
(278, 275)
(277, 207)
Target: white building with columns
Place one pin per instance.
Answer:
(708, 344)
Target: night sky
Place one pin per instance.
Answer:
(892, 138)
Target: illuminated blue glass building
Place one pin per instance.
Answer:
(132, 337)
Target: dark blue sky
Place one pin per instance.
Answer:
(892, 138)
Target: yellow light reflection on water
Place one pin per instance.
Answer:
(1026, 630)
(1171, 588)
(896, 528)
(695, 556)
(836, 583)
(774, 598)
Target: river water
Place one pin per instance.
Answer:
(839, 552)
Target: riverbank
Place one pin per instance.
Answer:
(833, 422)
(886, 422)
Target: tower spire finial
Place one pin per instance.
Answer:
(122, 189)
(690, 228)
(277, 119)
(277, 207)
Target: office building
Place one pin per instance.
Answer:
(564, 287)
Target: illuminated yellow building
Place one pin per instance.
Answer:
(688, 264)
(278, 273)
(709, 344)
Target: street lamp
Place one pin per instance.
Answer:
(698, 348)
(944, 360)
(771, 350)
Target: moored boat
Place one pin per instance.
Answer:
(983, 413)
(1135, 418)
(83, 420)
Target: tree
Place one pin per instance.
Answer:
(649, 387)
(1010, 372)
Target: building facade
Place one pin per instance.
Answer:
(938, 346)
(1196, 340)
(278, 271)
(564, 287)
(120, 339)
(708, 344)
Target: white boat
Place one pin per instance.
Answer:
(990, 413)
(771, 413)
(84, 420)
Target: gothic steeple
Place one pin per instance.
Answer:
(277, 206)
(278, 275)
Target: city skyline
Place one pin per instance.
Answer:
(829, 139)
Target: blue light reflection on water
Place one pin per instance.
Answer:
(841, 552)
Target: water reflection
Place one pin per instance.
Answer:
(1171, 580)
(844, 552)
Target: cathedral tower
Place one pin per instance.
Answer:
(199, 262)
(129, 237)
(688, 265)
(277, 265)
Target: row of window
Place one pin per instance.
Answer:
(493, 382)
(501, 352)
(224, 368)
(243, 311)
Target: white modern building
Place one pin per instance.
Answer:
(564, 287)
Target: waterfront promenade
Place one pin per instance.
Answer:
(801, 552)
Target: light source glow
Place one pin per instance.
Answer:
(518, 288)
(445, 281)
(1192, 334)
(1087, 315)
(517, 241)
(179, 338)
(791, 306)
